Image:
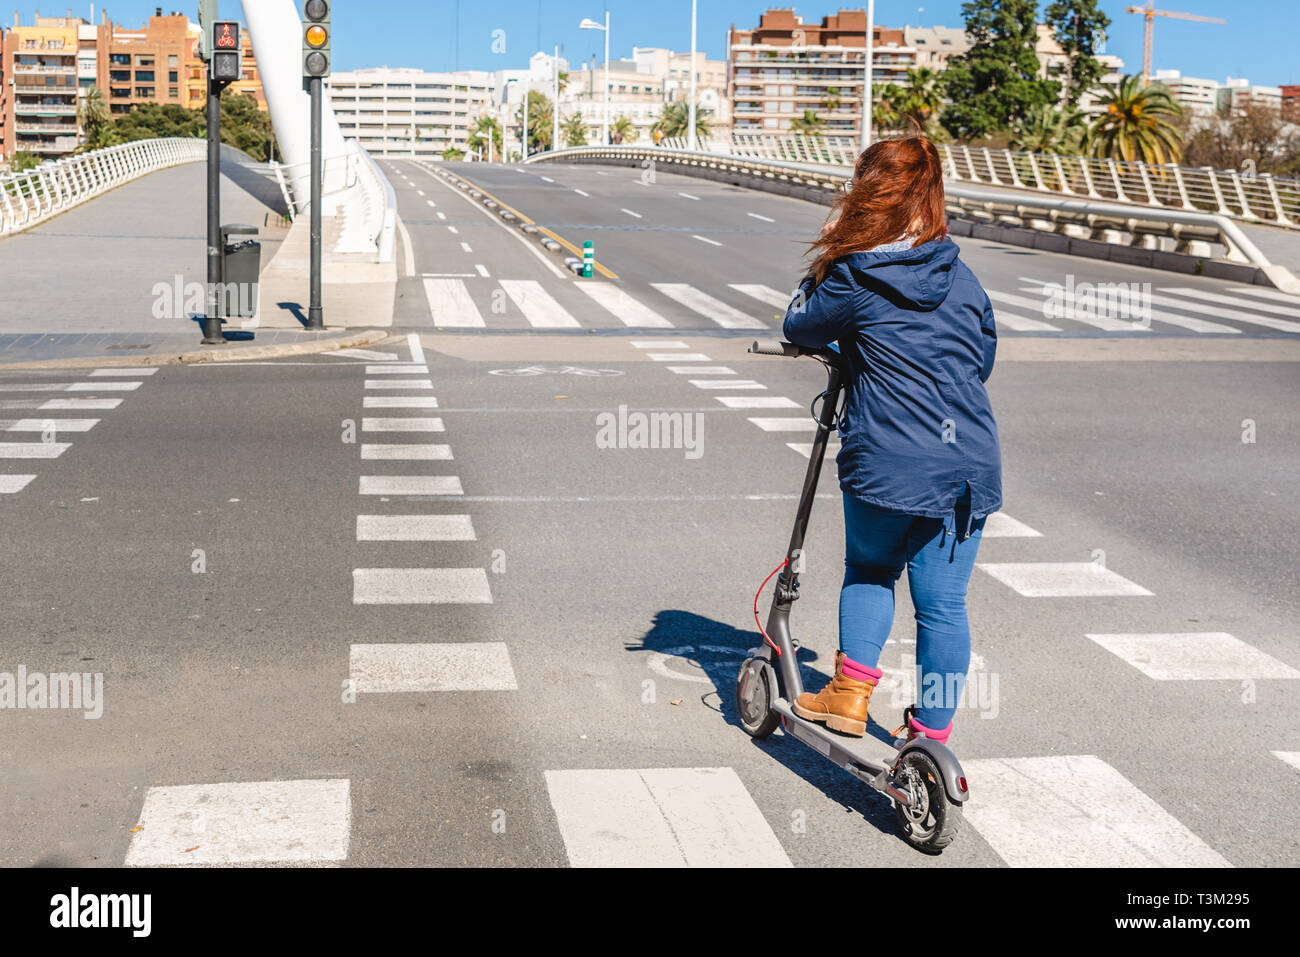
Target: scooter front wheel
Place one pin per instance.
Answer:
(754, 699)
(930, 821)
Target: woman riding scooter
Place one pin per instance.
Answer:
(920, 466)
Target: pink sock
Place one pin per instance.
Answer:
(940, 736)
(859, 672)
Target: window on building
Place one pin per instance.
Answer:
(144, 59)
(174, 92)
(144, 76)
(145, 92)
(173, 60)
(119, 91)
(120, 59)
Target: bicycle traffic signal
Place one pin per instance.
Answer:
(227, 52)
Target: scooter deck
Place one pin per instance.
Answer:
(867, 753)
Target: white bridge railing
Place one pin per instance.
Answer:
(34, 195)
(1240, 194)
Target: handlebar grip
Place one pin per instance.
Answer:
(775, 347)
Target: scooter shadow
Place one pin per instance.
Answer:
(718, 650)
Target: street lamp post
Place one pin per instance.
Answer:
(691, 142)
(555, 106)
(590, 24)
(866, 74)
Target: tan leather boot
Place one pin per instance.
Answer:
(842, 704)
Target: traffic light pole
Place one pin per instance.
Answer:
(212, 318)
(315, 314)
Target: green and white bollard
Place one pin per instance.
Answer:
(588, 259)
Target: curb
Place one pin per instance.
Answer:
(200, 356)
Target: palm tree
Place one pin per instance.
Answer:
(921, 99)
(832, 100)
(486, 136)
(539, 121)
(886, 112)
(574, 130)
(810, 124)
(623, 130)
(93, 114)
(1046, 129)
(675, 120)
(1135, 123)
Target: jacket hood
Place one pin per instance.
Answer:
(920, 276)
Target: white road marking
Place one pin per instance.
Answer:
(661, 817)
(1290, 757)
(547, 179)
(631, 312)
(805, 424)
(482, 270)
(630, 213)
(1139, 306)
(1002, 525)
(415, 528)
(419, 192)
(420, 586)
(1239, 313)
(402, 424)
(33, 450)
(453, 230)
(401, 402)
(581, 193)
(400, 368)
(657, 344)
(399, 384)
(701, 302)
(701, 370)
(1195, 656)
(536, 304)
(127, 372)
(55, 425)
(441, 214)
(103, 387)
(1021, 323)
(763, 294)
(726, 384)
(431, 203)
(1061, 579)
(389, 668)
(1040, 305)
(678, 357)
(367, 354)
(255, 822)
(757, 402)
(705, 239)
(9, 484)
(805, 449)
(410, 485)
(408, 248)
(1075, 811)
(1230, 300)
(390, 452)
(451, 304)
(688, 196)
(766, 219)
(1265, 293)
(465, 247)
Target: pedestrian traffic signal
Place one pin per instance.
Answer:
(227, 54)
(315, 38)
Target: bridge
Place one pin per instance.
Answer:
(388, 584)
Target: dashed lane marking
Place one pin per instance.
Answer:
(1195, 656)
(420, 586)
(396, 668)
(415, 528)
(410, 485)
(1062, 579)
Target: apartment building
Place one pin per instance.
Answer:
(675, 71)
(636, 94)
(54, 61)
(1236, 94)
(410, 113)
(785, 66)
(935, 46)
(1192, 93)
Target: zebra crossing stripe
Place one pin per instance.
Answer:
(678, 357)
(631, 312)
(661, 817)
(480, 666)
(451, 304)
(658, 344)
(1021, 323)
(146, 370)
(763, 294)
(110, 386)
(11, 484)
(701, 370)
(33, 450)
(53, 405)
(54, 425)
(541, 311)
(1135, 303)
(1195, 656)
(805, 449)
(1290, 757)
(1238, 314)
(420, 586)
(1002, 525)
(726, 384)
(1075, 811)
(415, 528)
(1230, 300)
(1273, 294)
(1062, 579)
(400, 402)
(410, 485)
(255, 822)
(401, 424)
(1037, 305)
(399, 384)
(785, 424)
(757, 402)
(704, 304)
(407, 453)
(409, 368)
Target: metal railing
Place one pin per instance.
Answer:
(1240, 194)
(34, 195)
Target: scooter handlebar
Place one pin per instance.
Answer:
(776, 347)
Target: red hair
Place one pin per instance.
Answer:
(896, 185)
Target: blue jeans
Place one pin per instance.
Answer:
(879, 544)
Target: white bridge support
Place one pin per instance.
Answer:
(275, 28)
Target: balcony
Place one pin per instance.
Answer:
(35, 83)
(45, 129)
(45, 109)
(44, 68)
(63, 144)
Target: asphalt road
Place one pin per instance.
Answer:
(592, 693)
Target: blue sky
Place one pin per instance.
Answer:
(1259, 41)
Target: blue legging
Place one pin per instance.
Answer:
(879, 544)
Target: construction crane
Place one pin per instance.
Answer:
(1149, 13)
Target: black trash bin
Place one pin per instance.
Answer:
(241, 265)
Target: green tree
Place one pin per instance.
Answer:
(1047, 129)
(92, 113)
(997, 79)
(486, 130)
(921, 99)
(675, 120)
(452, 153)
(623, 130)
(245, 126)
(1136, 123)
(573, 130)
(1080, 28)
(832, 100)
(809, 124)
(539, 121)
(23, 160)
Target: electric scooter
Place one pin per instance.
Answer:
(921, 777)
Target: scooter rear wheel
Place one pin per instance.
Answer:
(754, 699)
(933, 821)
